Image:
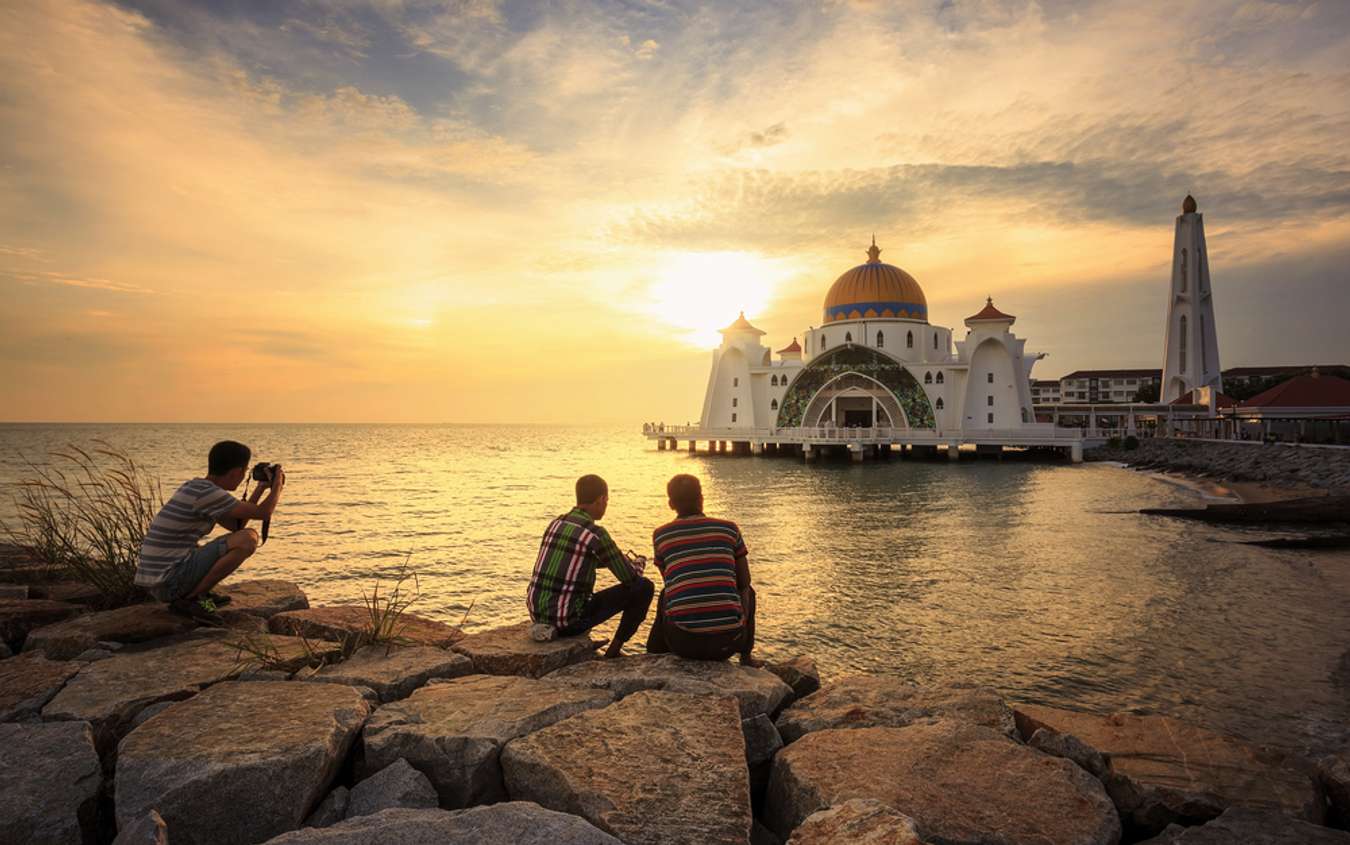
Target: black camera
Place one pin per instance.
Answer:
(265, 472)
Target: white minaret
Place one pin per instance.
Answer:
(1191, 348)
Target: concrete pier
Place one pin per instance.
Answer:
(953, 451)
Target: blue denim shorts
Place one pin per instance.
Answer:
(187, 575)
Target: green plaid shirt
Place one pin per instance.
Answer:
(564, 574)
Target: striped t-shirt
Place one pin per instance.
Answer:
(188, 516)
(697, 559)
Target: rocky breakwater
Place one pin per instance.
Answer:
(1275, 464)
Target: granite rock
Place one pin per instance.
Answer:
(344, 622)
(49, 784)
(656, 767)
(761, 739)
(261, 598)
(960, 782)
(799, 673)
(757, 691)
(867, 701)
(1334, 773)
(394, 672)
(28, 682)
(132, 624)
(331, 810)
(1070, 748)
(861, 821)
(19, 616)
(271, 747)
(149, 829)
(517, 823)
(1245, 826)
(15, 591)
(74, 592)
(453, 731)
(510, 651)
(396, 785)
(1165, 771)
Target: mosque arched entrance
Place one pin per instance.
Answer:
(855, 386)
(853, 400)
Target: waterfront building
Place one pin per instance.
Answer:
(1190, 346)
(1045, 392)
(1101, 387)
(1310, 407)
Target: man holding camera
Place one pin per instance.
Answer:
(172, 567)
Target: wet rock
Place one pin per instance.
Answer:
(345, 622)
(960, 782)
(857, 822)
(453, 731)
(799, 673)
(331, 810)
(1244, 826)
(262, 598)
(133, 624)
(1165, 771)
(49, 783)
(19, 616)
(656, 767)
(273, 748)
(756, 690)
(1334, 773)
(517, 822)
(510, 651)
(396, 785)
(108, 694)
(395, 672)
(149, 829)
(28, 682)
(1070, 748)
(867, 701)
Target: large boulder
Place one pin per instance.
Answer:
(876, 701)
(656, 767)
(28, 682)
(510, 651)
(240, 762)
(1245, 826)
(396, 785)
(394, 672)
(49, 784)
(453, 731)
(756, 690)
(517, 822)
(133, 624)
(346, 622)
(108, 694)
(19, 616)
(798, 672)
(857, 822)
(1165, 771)
(261, 598)
(959, 782)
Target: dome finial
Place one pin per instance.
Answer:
(1188, 205)
(873, 251)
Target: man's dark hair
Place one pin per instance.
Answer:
(590, 488)
(685, 494)
(227, 455)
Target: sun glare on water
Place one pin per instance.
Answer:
(697, 293)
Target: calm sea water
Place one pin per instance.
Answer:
(1034, 578)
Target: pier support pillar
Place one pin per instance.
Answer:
(756, 448)
(693, 445)
(809, 453)
(953, 451)
(857, 453)
(660, 444)
(1076, 453)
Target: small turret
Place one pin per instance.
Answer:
(1188, 205)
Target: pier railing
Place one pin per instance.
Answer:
(1032, 435)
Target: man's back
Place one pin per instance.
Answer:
(564, 571)
(697, 558)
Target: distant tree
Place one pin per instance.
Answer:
(1247, 389)
(1147, 394)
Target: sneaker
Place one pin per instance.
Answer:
(201, 610)
(541, 632)
(220, 599)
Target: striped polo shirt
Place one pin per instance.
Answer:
(188, 516)
(697, 559)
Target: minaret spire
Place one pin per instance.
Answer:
(873, 251)
(1191, 346)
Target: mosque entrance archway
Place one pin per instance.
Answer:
(895, 397)
(853, 400)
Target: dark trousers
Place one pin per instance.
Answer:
(631, 598)
(666, 637)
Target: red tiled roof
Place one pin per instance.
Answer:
(1188, 398)
(792, 347)
(989, 312)
(1307, 391)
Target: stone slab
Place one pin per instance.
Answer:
(959, 782)
(516, 822)
(857, 822)
(28, 682)
(49, 784)
(343, 622)
(510, 651)
(393, 672)
(1165, 770)
(1244, 826)
(453, 731)
(656, 767)
(873, 701)
(798, 672)
(74, 592)
(108, 694)
(149, 829)
(263, 597)
(756, 690)
(273, 748)
(19, 616)
(396, 785)
(133, 624)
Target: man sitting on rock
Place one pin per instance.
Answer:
(561, 594)
(172, 567)
(707, 606)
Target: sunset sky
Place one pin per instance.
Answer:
(539, 212)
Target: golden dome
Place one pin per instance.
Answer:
(875, 290)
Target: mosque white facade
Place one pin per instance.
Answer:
(1191, 345)
(874, 362)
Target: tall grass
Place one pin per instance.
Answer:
(86, 512)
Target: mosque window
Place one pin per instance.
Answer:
(823, 344)
(989, 377)
(773, 381)
(989, 400)
(881, 341)
(733, 417)
(939, 403)
(928, 377)
(909, 340)
(935, 340)
(1183, 343)
(991, 418)
(1183, 270)
(773, 405)
(848, 337)
(939, 378)
(734, 400)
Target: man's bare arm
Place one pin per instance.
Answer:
(742, 574)
(244, 511)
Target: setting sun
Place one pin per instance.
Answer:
(697, 293)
